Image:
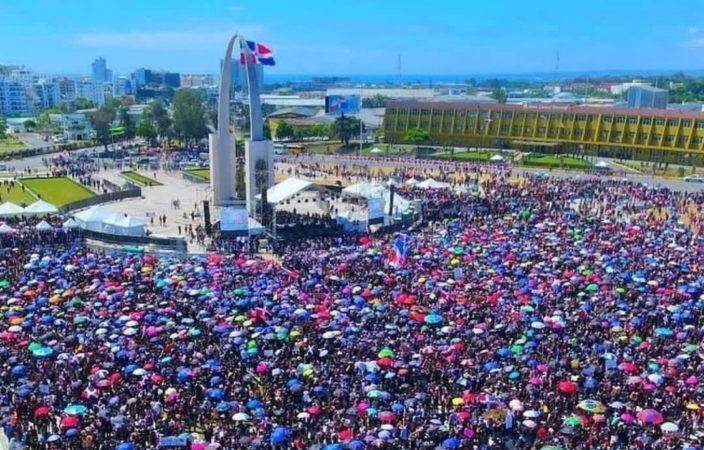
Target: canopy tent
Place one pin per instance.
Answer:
(40, 208)
(6, 229)
(412, 182)
(376, 151)
(70, 223)
(365, 189)
(255, 228)
(43, 226)
(432, 184)
(92, 218)
(9, 209)
(496, 158)
(123, 225)
(285, 190)
(601, 164)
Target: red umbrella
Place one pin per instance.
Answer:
(566, 387)
(314, 410)
(629, 367)
(70, 422)
(385, 362)
(387, 417)
(42, 411)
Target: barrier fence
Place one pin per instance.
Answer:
(102, 198)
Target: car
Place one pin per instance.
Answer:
(694, 178)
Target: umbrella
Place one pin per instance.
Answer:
(669, 427)
(42, 411)
(650, 417)
(567, 387)
(280, 435)
(125, 446)
(70, 422)
(240, 417)
(592, 406)
(75, 409)
(451, 443)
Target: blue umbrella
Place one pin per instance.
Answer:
(75, 409)
(280, 435)
(223, 406)
(255, 404)
(433, 319)
(333, 447)
(19, 371)
(125, 446)
(356, 445)
(216, 394)
(451, 443)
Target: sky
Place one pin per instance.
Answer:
(355, 37)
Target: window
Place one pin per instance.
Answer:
(687, 123)
(671, 122)
(616, 135)
(630, 136)
(541, 130)
(528, 130)
(543, 116)
(606, 119)
(700, 124)
(505, 115)
(657, 136)
(580, 117)
(504, 129)
(578, 131)
(604, 134)
(643, 136)
(646, 121)
(516, 130)
(697, 140)
(632, 120)
(669, 138)
(659, 122)
(681, 140)
(619, 119)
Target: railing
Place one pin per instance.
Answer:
(102, 198)
(35, 151)
(176, 244)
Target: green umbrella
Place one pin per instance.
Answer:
(386, 352)
(458, 250)
(517, 349)
(573, 421)
(4, 283)
(592, 287)
(552, 447)
(33, 346)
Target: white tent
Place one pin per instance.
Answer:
(70, 223)
(286, 189)
(412, 182)
(601, 165)
(6, 229)
(123, 225)
(40, 208)
(496, 158)
(43, 226)
(365, 189)
(92, 218)
(432, 184)
(376, 151)
(9, 209)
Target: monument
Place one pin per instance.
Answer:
(259, 162)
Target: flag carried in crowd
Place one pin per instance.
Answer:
(399, 255)
(256, 53)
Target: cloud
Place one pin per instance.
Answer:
(694, 43)
(196, 39)
(693, 30)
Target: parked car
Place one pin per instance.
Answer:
(694, 178)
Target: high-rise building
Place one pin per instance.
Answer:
(67, 89)
(101, 73)
(95, 92)
(45, 94)
(647, 97)
(14, 98)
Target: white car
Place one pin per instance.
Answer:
(694, 179)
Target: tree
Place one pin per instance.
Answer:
(127, 122)
(3, 127)
(284, 130)
(30, 125)
(267, 130)
(146, 130)
(189, 116)
(160, 117)
(101, 120)
(499, 94)
(344, 128)
(44, 125)
(82, 103)
(417, 136)
(377, 101)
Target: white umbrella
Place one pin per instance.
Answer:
(6, 229)
(669, 427)
(240, 417)
(376, 150)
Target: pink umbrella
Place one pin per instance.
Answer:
(627, 417)
(692, 380)
(468, 433)
(387, 417)
(262, 367)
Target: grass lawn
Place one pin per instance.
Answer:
(139, 178)
(15, 194)
(479, 156)
(203, 173)
(11, 145)
(552, 161)
(57, 190)
(388, 149)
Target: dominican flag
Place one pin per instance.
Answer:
(257, 53)
(399, 255)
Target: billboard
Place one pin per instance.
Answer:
(342, 104)
(375, 210)
(233, 219)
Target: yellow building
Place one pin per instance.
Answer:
(645, 134)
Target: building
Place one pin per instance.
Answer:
(647, 97)
(621, 88)
(14, 98)
(156, 78)
(393, 93)
(645, 134)
(74, 126)
(45, 94)
(197, 80)
(95, 92)
(100, 72)
(67, 89)
(283, 101)
(123, 86)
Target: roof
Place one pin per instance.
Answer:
(293, 112)
(41, 207)
(646, 87)
(286, 189)
(564, 108)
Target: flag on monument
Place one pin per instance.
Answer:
(258, 54)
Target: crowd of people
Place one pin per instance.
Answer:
(523, 314)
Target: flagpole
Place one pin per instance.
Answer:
(359, 153)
